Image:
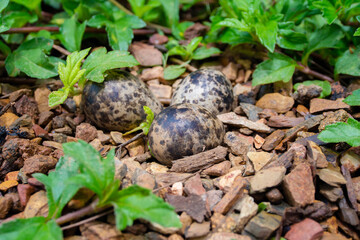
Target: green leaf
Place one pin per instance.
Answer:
(96, 173)
(32, 4)
(36, 43)
(71, 34)
(342, 132)
(234, 23)
(173, 71)
(144, 126)
(262, 206)
(267, 32)
(278, 68)
(99, 61)
(59, 189)
(328, 36)
(4, 48)
(203, 52)
(35, 63)
(71, 73)
(289, 39)
(329, 11)
(29, 229)
(349, 63)
(235, 37)
(58, 97)
(357, 32)
(178, 50)
(136, 202)
(3, 4)
(119, 37)
(325, 85)
(194, 43)
(171, 9)
(354, 98)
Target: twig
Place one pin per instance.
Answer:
(56, 29)
(307, 70)
(136, 137)
(188, 66)
(87, 220)
(61, 50)
(6, 107)
(80, 213)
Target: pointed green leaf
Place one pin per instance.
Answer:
(173, 71)
(71, 34)
(278, 68)
(35, 63)
(267, 33)
(234, 23)
(96, 173)
(32, 4)
(342, 132)
(59, 189)
(328, 36)
(194, 43)
(30, 229)
(354, 98)
(329, 11)
(100, 61)
(136, 202)
(3, 4)
(349, 63)
(203, 52)
(58, 97)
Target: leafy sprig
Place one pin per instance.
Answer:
(192, 51)
(93, 69)
(144, 126)
(83, 166)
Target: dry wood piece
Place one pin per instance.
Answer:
(231, 197)
(350, 187)
(200, 160)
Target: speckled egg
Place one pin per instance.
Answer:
(184, 130)
(208, 88)
(117, 103)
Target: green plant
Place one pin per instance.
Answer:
(144, 126)
(342, 132)
(285, 27)
(93, 69)
(187, 53)
(348, 132)
(82, 166)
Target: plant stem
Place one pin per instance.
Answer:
(80, 213)
(136, 137)
(61, 50)
(307, 70)
(56, 29)
(86, 220)
(188, 66)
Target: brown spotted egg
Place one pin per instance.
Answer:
(117, 103)
(184, 130)
(208, 88)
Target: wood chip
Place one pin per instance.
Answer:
(231, 197)
(200, 160)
